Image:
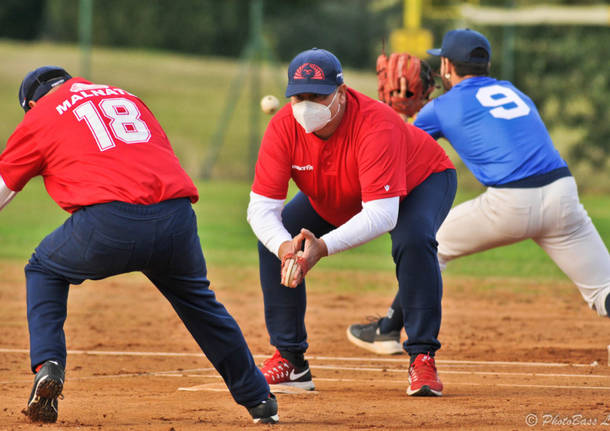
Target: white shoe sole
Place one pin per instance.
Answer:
(269, 420)
(379, 347)
(306, 386)
(424, 391)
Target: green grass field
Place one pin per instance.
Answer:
(228, 240)
(188, 95)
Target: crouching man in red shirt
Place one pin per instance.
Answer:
(362, 172)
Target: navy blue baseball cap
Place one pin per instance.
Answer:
(314, 71)
(458, 45)
(39, 82)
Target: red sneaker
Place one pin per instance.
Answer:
(423, 379)
(280, 371)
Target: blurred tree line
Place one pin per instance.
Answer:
(563, 68)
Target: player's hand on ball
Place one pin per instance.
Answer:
(270, 104)
(294, 268)
(296, 265)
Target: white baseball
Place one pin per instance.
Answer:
(270, 104)
(291, 269)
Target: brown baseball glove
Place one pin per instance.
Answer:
(404, 82)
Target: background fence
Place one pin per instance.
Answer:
(196, 50)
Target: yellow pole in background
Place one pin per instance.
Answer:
(411, 37)
(412, 14)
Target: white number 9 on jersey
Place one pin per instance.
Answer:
(497, 97)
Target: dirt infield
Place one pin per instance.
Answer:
(515, 356)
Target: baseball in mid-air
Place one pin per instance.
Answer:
(270, 104)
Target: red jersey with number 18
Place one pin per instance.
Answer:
(94, 144)
(372, 155)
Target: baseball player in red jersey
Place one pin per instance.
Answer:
(361, 172)
(106, 160)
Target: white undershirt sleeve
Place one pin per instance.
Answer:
(377, 217)
(265, 218)
(6, 194)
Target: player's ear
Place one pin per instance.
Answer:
(31, 104)
(449, 67)
(342, 90)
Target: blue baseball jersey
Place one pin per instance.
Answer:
(495, 128)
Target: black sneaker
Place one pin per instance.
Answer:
(48, 384)
(368, 337)
(265, 412)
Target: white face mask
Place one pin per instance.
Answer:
(311, 115)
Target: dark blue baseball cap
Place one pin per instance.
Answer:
(458, 45)
(39, 82)
(314, 71)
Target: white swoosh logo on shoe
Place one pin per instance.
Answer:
(295, 376)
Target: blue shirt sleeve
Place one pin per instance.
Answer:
(427, 120)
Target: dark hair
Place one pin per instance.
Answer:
(426, 75)
(463, 68)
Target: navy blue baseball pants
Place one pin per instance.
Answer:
(414, 250)
(159, 240)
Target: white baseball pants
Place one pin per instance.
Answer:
(551, 215)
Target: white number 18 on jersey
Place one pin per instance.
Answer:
(124, 118)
